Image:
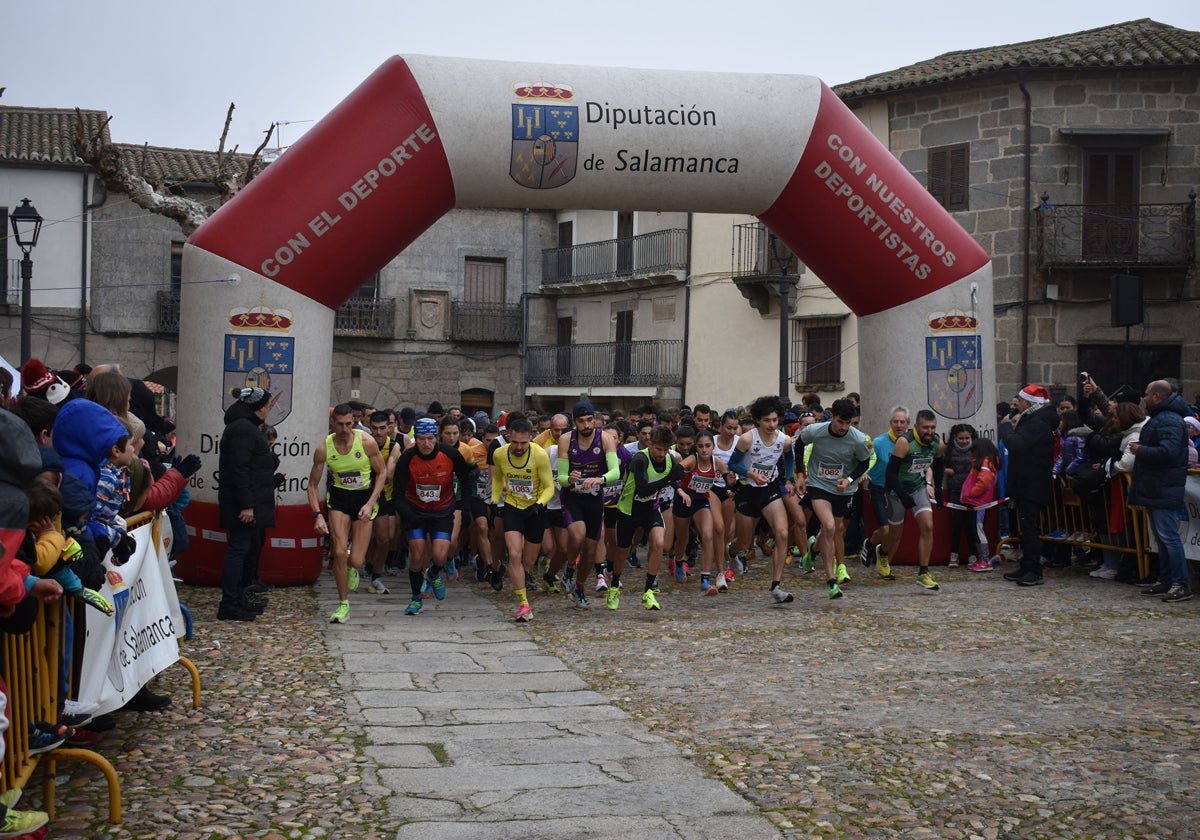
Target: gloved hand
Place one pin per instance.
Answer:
(122, 551)
(189, 465)
(280, 481)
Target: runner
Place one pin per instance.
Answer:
(358, 472)
(587, 460)
(878, 547)
(521, 472)
(756, 460)
(700, 472)
(840, 456)
(383, 529)
(651, 470)
(910, 479)
(424, 493)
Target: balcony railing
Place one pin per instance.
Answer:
(1117, 234)
(654, 363)
(494, 322)
(365, 318)
(168, 313)
(647, 255)
(759, 255)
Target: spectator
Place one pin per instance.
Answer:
(1030, 457)
(1193, 432)
(1127, 421)
(1159, 477)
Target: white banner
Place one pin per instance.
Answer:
(1191, 532)
(122, 652)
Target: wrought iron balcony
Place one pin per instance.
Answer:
(493, 322)
(662, 254)
(365, 318)
(1117, 234)
(760, 262)
(655, 363)
(167, 322)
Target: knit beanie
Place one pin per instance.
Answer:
(39, 381)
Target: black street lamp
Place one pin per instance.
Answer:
(784, 261)
(27, 225)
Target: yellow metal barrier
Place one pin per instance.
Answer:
(1069, 515)
(32, 662)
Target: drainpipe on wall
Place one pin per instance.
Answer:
(524, 301)
(1025, 235)
(687, 310)
(85, 232)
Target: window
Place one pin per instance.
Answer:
(949, 176)
(817, 351)
(1110, 191)
(1114, 365)
(483, 280)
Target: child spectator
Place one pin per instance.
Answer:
(1072, 450)
(1192, 428)
(978, 490)
(958, 465)
(112, 493)
(50, 551)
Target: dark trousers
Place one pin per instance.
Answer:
(245, 541)
(1028, 513)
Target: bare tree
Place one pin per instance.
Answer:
(232, 172)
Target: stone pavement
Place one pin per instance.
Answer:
(478, 732)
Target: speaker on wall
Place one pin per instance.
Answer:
(1126, 300)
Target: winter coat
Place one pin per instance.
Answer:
(247, 469)
(1031, 455)
(1160, 467)
(1124, 462)
(84, 432)
(20, 461)
(958, 460)
(1072, 451)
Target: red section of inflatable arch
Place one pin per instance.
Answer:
(366, 181)
(846, 204)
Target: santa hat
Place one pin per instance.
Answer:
(1035, 394)
(39, 381)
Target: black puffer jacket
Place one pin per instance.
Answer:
(1160, 467)
(247, 477)
(1031, 455)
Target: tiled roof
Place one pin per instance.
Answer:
(160, 165)
(1138, 43)
(43, 135)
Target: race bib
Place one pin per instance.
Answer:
(830, 472)
(612, 492)
(350, 480)
(701, 484)
(429, 493)
(483, 484)
(518, 486)
(919, 465)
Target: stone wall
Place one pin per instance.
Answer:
(990, 116)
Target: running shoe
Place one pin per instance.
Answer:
(426, 590)
(882, 564)
(94, 599)
(481, 571)
(414, 607)
(680, 572)
(41, 742)
(377, 587)
(352, 579)
(794, 553)
(781, 595)
(530, 581)
(707, 588)
(549, 584)
(981, 566)
(739, 563)
(612, 599)
(581, 601)
(649, 601)
(342, 614)
(524, 613)
(671, 564)
(497, 579)
(601, 582)
(840, 572)
(867, 554)
(926, 582)
(452, 569)
(722, 583)
(952, 563)
(729, 575)
(438, 585)
(809, 561)
(23, 823)
(835, 591)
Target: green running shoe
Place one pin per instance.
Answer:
(414, 607)
(841, 574)
(649, 601)
(342, 614)
(352, 579)
(926, 582)
(835, 591)
(612, 598)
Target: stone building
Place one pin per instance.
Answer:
(1074, 161)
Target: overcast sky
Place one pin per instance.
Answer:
(166, 71)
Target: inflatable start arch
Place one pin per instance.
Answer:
(423, 135)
